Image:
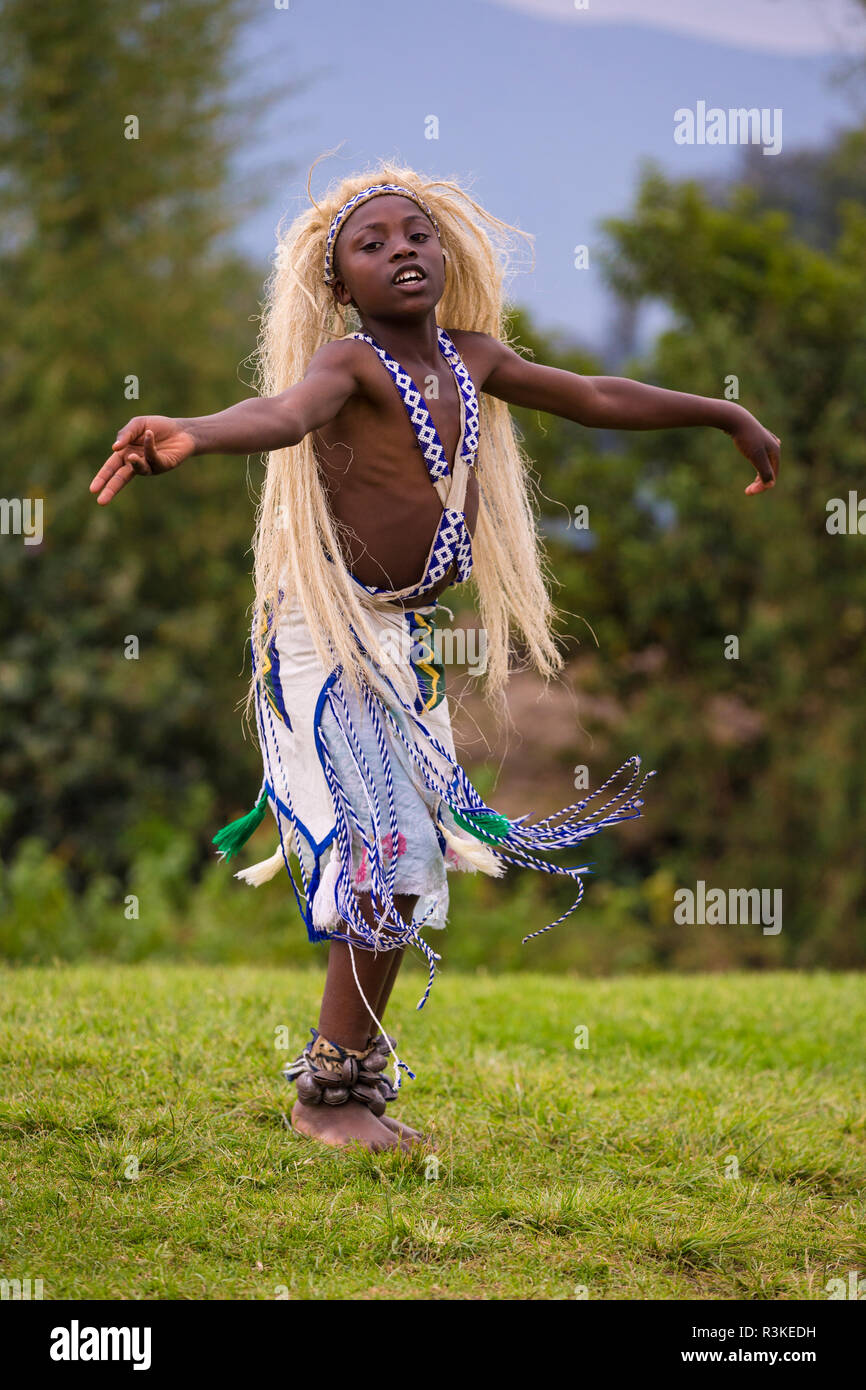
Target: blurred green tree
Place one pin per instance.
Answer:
(119, 294)
(760, 755)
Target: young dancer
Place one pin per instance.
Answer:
(393, 473)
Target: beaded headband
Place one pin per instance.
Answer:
(375, 191)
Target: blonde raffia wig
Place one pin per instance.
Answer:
(295, 526)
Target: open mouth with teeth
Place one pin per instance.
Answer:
(410, 276)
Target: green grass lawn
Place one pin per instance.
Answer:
(708, 1143)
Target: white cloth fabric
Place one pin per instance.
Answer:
(299, 721)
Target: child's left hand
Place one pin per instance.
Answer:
(761, 448)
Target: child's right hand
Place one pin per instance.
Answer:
(148, 445)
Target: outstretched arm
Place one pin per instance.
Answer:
(153, 444)
(613, 402)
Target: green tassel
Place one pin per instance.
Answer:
(234, 836)
(493, 820)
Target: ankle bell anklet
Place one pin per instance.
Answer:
(326, 1073)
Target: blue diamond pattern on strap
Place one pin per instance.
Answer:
(467, 390)
(452, 544)
(426, 433)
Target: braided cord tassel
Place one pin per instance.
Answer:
(400, 932)
(522, 837)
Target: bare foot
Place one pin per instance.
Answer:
(413, 1136)
(339, 1125)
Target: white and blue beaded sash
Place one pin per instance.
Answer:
(452, 543)
(426, 433)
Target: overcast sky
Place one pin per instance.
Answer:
(545, 107)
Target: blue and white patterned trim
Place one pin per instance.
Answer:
(452, 542)
(374, 191)
(469, 394)
(427, 434)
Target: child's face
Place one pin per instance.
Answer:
(380, 241)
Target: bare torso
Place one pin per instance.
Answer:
(375, 475)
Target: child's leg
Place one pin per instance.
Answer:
(388, 983)
(406, 907)
(344, 1019)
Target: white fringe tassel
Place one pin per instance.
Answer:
(473, 853)
(325, 915)
(257, 874)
